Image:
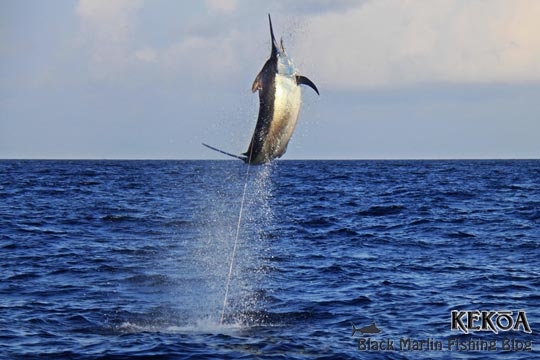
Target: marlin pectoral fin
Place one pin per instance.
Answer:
(257, 83)
(302, 80)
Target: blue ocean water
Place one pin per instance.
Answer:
(130, 259)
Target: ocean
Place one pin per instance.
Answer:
(131, 259)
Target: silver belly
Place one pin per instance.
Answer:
(287, 100)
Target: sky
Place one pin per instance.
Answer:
(141, 79)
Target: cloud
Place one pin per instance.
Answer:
(309, 7)
(111, 20)
(342, 44)
(147, 55)
(391, 43)
(204, 58)
(226, 6)
(106, 28)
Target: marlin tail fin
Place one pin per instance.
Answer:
(243, 158)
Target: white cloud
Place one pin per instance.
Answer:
(205, 57)
(111, 20)
(391, 43)
(147, 55)
(347, 45)
(109, 32)
(226, 6)
(106, 27)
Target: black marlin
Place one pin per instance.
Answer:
(280, 97)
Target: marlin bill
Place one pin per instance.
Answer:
(280, 97)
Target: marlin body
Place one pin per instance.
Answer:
(280, 97)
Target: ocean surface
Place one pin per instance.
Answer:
(131, 259)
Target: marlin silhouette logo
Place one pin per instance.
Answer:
(371, 329)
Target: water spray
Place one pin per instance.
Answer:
(236, 239)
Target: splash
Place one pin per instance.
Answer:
(232, 250)
(187, 293)
(203, 325)
(233, 255)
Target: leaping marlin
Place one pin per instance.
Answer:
(280, 97)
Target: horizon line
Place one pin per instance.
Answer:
(293, 159)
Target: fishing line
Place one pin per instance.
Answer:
(236, 237)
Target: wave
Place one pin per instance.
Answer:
(120, 218)
(460, 235)
(459, 194)
(382, 210)
(152, 280)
